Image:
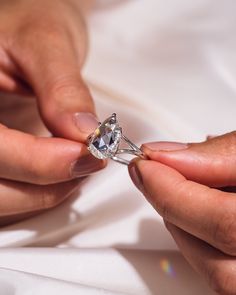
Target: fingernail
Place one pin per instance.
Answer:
(165, 146)
(86, 122)
(86, 165)
(136, 175)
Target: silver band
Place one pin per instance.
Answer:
(134, 151)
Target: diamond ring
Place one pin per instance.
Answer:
(106, 140)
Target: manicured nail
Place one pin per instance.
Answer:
(165, 146)
(86, 122)
(136, 175)
(85, 166)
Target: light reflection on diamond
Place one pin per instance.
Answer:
(104, 142)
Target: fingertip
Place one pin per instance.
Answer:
(71, 159)
(151, 168)
(147, 173)
(74, 126)
(67, 107)
(85, 122)
(163, 151)
(86, 165)
(135, 174)
(158, 179)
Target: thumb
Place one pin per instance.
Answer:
(67, 108)
(212, 162)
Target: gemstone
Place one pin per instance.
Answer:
(104, 142)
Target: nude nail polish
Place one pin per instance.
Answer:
(86, 122)
(136, 175)
(165, 146)
(86, 165)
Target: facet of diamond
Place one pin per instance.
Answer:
(104, 142)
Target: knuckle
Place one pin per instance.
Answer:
(222, 280)
(42, 26)
(224, 233)
(51, 30)
(64, 85)
(48, 33)
(69, 88)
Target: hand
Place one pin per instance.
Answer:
(192, 188)
(42, 49)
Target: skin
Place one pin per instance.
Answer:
(192, 188)
(43, 45)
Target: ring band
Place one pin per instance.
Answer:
(133, 150)
(105, 142)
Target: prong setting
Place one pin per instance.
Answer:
(104, 142)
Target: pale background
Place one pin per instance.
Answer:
(167, 68)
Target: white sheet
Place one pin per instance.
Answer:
(167, 68)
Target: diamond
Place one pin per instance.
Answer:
(104, 142)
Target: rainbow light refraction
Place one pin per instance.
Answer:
(166, 267)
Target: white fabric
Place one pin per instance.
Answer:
(104, 271)
(167, 69)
